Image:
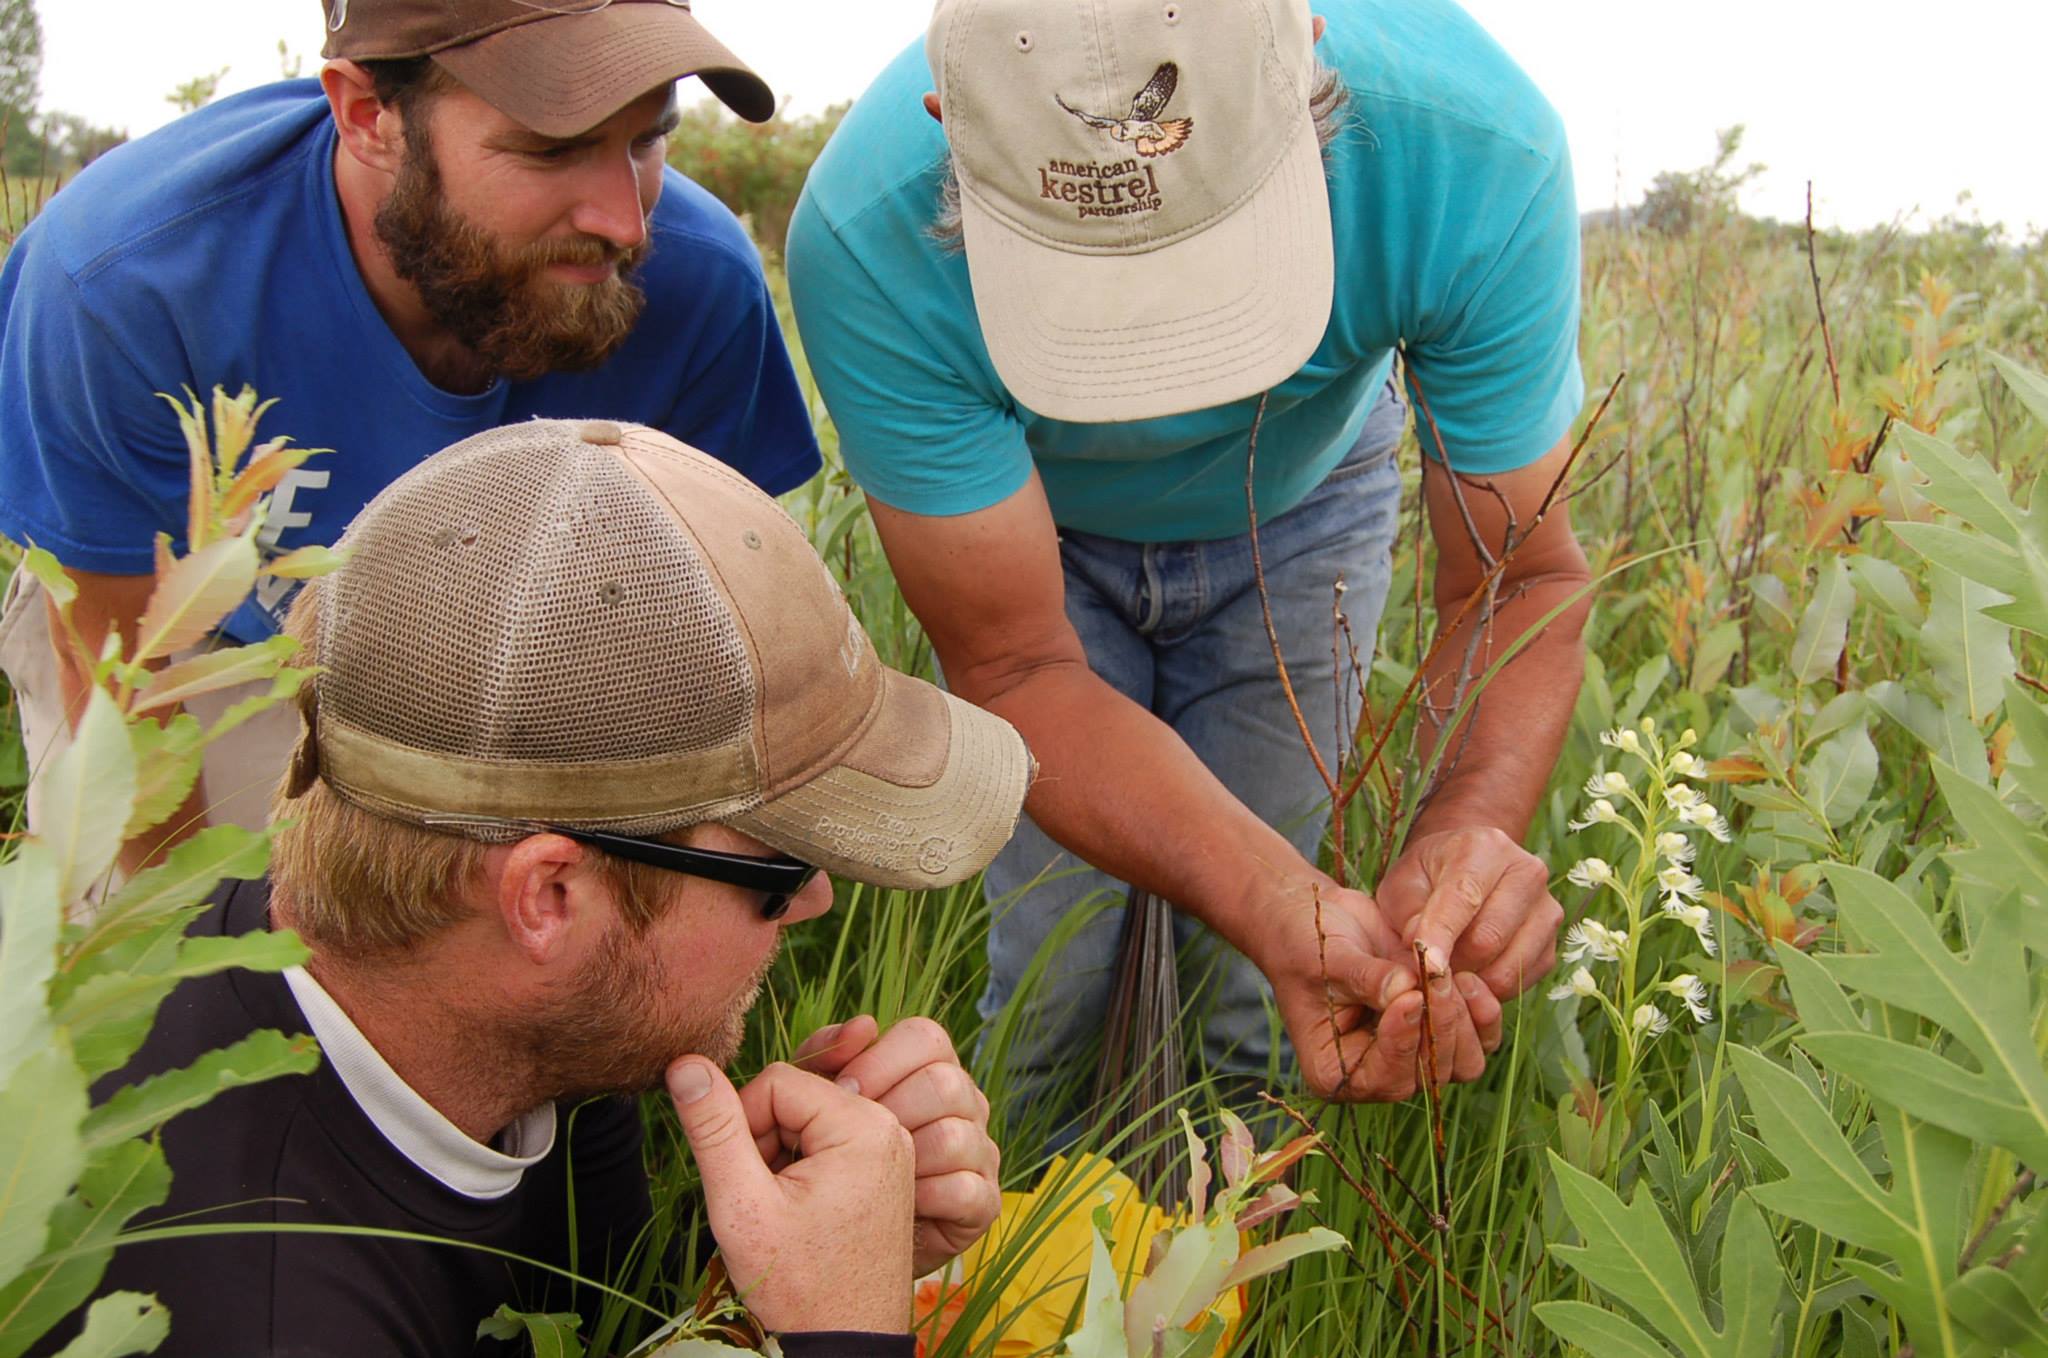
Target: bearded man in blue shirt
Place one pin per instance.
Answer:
(467, 221)
(1054, 274)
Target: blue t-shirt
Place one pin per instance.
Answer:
(1457, 236)
(213, 252)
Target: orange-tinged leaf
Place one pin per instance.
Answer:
(213, 671)
(193, 597)
(304, 563)
(2001, 742)
(1736, 768)
(1273, 1164)
(199, 466)
(265, 470)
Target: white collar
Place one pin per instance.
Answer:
(413, 1126)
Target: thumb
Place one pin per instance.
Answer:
(715, 1124)
(1360, 976)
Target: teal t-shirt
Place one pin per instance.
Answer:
(1457, 238)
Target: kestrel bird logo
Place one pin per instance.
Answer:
(1143, 128)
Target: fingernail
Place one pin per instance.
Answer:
(827, 1036)
(849, 1083)
(1414, 1019)
(1433, 961)
(689, 1082)
(1400, 983)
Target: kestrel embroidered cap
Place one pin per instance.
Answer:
(560, 67)
(1141, 197)
(588, 624)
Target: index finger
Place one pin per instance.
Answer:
(1455, 898)
(827, 1051)
(804, 1111)
(908, 1047)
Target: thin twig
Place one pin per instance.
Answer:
(1827, 338)
(1991, 1223)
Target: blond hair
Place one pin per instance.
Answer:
(359, 884)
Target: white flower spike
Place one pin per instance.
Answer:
(1591, 938)
(1694, 917)
(1601, 812)
(1676, 849)
(1650, 1022)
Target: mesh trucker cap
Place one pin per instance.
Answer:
(560, 67)
(590, 624)
(1142, 197)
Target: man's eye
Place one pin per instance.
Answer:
(650, 141)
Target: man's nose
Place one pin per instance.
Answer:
(610, 207)
(814, 900)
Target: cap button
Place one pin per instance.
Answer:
(601, 431)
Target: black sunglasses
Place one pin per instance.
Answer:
(778, 878)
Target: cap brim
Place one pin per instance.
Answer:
(1222, 314)
(564, 75)
(897, 812)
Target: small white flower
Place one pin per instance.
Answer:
(1676, 881)
(1650, 1022)
(1649, 727)
(1591, 938)
(1697, 918)
(1680, 796)
(1687, 765)
(1622, 738)
(1591, 872)
(1693, 991)
(1676, 849)
(1601, 812)
(1606, 782)
(1579, 984)
(1703, 815)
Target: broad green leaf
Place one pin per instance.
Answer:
(2010, 854)
(49, 573)
(31, 915)
(1752, 1282)
(1629, 1254)
(693, 1346)
(1837, 778)
(197, 593)
(1990, 1304)
(553, 1335)
(284, 685)
(1973, 556)
(1966, 486)
(1601, 1334)
(1275, 1255)
(306, 562)
(224, 668)
(1824, 626)
(109, 1016)
(2028, 385)
(1827, 1186)
(41, 1107)
(1184, 1285)
(186, 877)
(1886, 586)
(1822, 1004)
(2030, 736)
(1982, 1001)
(1101, 1332)
(119, 1181)
(81, 801)
(118, 1324)
(167, 763)
(1971, 654)
(139, 1109)
(1775, 600)
(1947, 731)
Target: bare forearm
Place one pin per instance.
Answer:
(1120, 790)
(1495, 766)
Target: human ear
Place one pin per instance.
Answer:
(1316, 27)
(931, 106)
(540, 889)
(371, 133)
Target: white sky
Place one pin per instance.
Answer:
(1887, 106)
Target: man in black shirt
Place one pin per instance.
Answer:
(590, 718)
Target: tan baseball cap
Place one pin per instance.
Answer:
(560, 67)
(1142, 197)
(591, 625)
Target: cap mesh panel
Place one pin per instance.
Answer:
(496, 584)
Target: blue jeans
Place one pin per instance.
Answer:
(1177, 628)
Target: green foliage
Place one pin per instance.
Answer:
(756, 169)
(86, 959)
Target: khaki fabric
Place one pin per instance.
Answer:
(1142, 200)
(589, 624)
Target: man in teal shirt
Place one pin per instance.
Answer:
(1051, 274)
